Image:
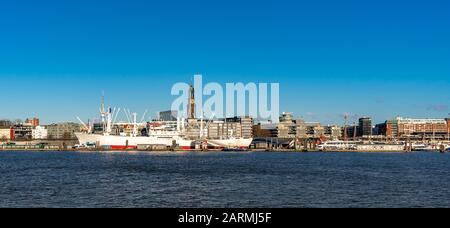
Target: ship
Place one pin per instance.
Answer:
(170, 139)
(108, 139)
(430, 147)
(163, 134)
(336, 145)
(118, 142)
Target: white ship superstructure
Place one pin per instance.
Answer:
(118, 142)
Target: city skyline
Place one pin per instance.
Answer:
(376, 59)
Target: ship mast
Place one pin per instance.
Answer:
(106, 117)
(103, 113)
(135, 127)
(109, 122)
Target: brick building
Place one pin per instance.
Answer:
(417, 128)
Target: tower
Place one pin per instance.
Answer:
(345, 127)
(191, 103)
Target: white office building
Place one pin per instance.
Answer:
(39, 132)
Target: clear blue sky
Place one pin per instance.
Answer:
(378, 58)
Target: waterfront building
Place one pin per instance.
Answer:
(32, 122)
(380, 129)
(168, 115)
(417, 128)
(287, 117)
(39, 132)
(236, 127)
(300, 128)
(350, 132)
(6, 133)
(63, 130)
(244, 126)
(314, 130)
(332, 131)
(287, 127)
(265, 130)
(22, 132)
(291, 128)
(286, 130)
(365, 127)
(391, 129)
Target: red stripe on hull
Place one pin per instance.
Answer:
(123, 147)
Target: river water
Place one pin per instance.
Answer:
(224, 179)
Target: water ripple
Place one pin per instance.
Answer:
(68, 179)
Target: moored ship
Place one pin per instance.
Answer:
(125, 135)
(338, 145)
(161, 134)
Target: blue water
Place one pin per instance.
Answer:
(72, 179)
